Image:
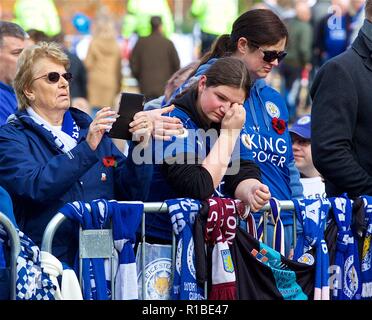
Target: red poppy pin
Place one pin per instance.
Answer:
(109, 161)
(278, 125)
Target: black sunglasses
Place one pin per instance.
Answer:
(271, 55)
(54, 77)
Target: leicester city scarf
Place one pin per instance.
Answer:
(66, 138)
(278, 237)
(220, 233)
(347, 280)
(366, 263)
(94, 281)
(312, 215)
(126, 218)
(183, 212)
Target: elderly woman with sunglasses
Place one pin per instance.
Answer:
(259, 38)
(51, 153)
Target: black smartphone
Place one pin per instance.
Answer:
(130, 104)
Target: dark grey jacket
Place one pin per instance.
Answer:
(342, 119)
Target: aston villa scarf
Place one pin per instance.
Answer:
(220, 232)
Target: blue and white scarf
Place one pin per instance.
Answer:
(32, 282)
(66, 138)
(366, 263)
(347, 280)
(278, 237)
(312, 215)
(182, 213)
(126, 218)
(94, 282)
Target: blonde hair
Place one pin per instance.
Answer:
(25, 63)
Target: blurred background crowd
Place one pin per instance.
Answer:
(102, 40)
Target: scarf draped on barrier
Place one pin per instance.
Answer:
(347, 281)
(366, 263)
(278, 237)
(246, 215)
(126, 218)
(94, 281)
(312, 215)
(220, 233)
(32, 282)
(183, 212)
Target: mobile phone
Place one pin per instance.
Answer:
(130, 104)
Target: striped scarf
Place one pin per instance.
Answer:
(347, 283)
(312, 215)
(366, 263)
(220, 232)
(279, 237)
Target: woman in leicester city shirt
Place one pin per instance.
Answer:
(194, 164)
(258, 38)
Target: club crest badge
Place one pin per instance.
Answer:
(246, 140)
(227, 261)
(306, 258)
(272, 109)
(304, 120)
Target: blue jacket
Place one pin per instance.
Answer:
(8, 102)
(40, 178)
(270, 150)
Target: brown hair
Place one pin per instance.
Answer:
(259, 26)
(230, 72)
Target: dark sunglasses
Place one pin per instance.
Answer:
(271, 55)
(53, 77)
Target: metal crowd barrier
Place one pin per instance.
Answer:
(154, 207)
(15, 249)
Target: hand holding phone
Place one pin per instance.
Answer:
(130, 104)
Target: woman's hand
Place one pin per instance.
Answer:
(258, 195)
(141, 127)
(101, 123)
(234, 118)
(253, 193)
(164, 127)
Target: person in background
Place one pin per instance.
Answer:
(153, 61)
(12, 42)
(356, 12)
(138, 16)
(51, 153)
(341, 117)
(301, 143)
(333, 33)
(41, 15)
(103, 65)
(299, 55)
(177, 79)
(78, 87)
(190, 165)
(215, 17)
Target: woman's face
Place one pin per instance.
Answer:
(44, 94)
(214, 102)
(258, 68)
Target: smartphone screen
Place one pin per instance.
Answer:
(130, 104)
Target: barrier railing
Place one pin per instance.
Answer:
(15, 248)
(155, 207)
